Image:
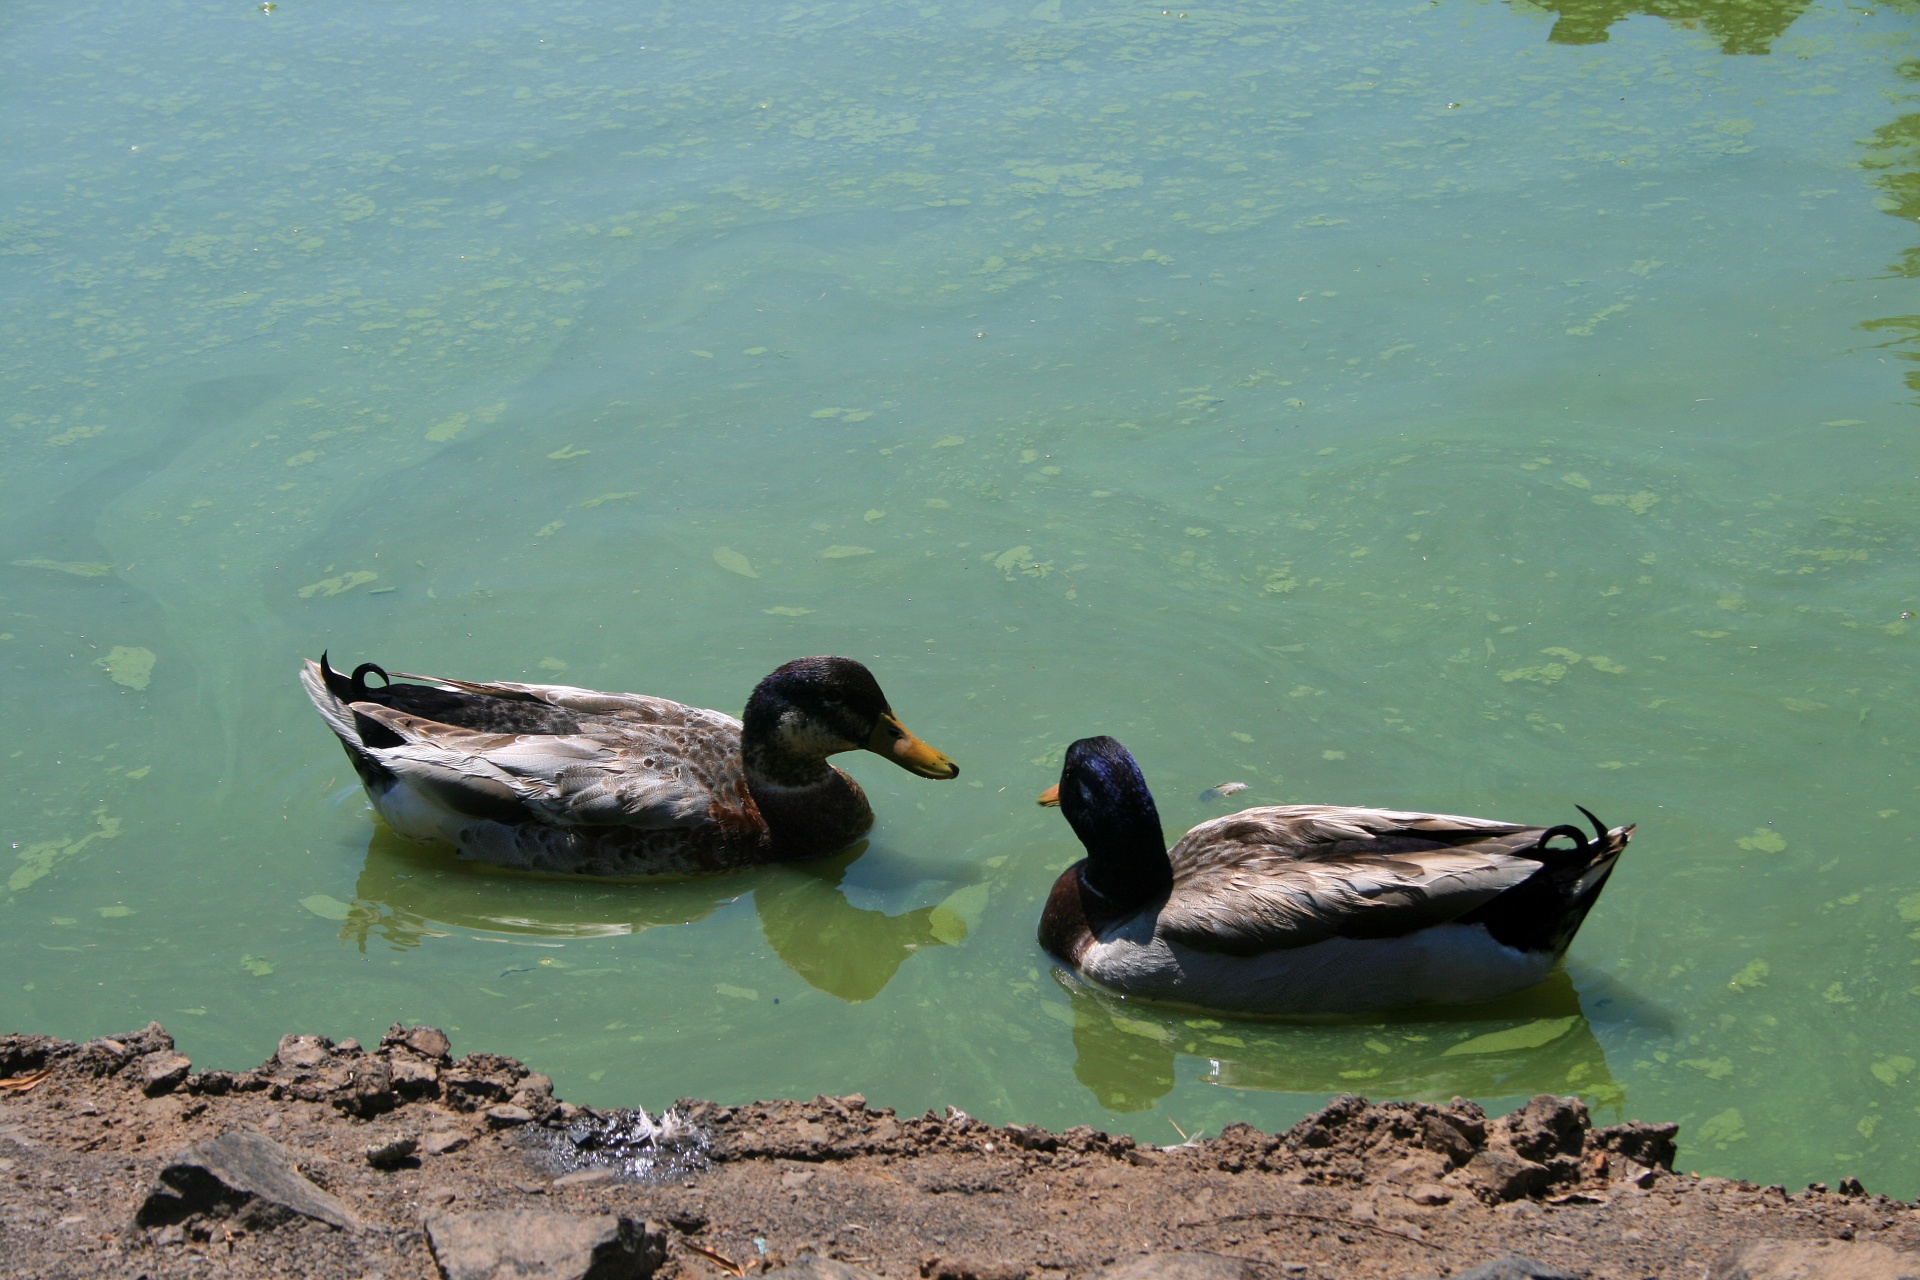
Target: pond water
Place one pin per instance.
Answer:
(1480, 407)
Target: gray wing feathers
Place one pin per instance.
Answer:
(634, 780)
(1292, 875)
(638, 708)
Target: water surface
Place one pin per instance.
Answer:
(1467, 406)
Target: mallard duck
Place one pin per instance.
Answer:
(1307, 908)
(553, 778)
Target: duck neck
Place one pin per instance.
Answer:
(808, 805)
(1124, 872)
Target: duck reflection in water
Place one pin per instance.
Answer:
(1538, 1041)
(408, 893)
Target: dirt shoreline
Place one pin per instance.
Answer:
(400, 1161)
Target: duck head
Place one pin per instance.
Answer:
(813, 708)
(1106, 802)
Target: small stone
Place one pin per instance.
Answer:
(392, 1154)
(582, 1178)
(444, 1142)
(428, 1042)
(369, 1089)
(1852, 1187)
(302, 1052)
(1429, 1193)
(349, 1045)
(1495, 1176)
(1515, 1269)
(794, 1179)
(815, 1267)
(512, 1243)
(507, 1116)
(162, 1072)
(413, 1077)
(972, 1268)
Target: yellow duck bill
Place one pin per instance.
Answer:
(892, 741)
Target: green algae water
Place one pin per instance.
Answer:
(1481, 407)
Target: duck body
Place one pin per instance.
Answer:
(561, 779)
(1311, 909)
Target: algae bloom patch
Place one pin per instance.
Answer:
(132, 667)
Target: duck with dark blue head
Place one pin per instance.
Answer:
(1311, 909)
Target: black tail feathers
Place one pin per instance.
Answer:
(353, 688)
(1581, 845)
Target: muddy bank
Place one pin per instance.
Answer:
(399, 1160)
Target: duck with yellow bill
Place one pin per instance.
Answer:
(561, 779)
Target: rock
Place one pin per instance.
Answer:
(1429, 1193)
(387, 1156)
(479, 1080)
(1648, 1145)
(582, 1178)
(523, 1243)
(161, 1072)
(815, 1267)
(413, 1077)
(971, 1268)
(1497, 1176)
(368, 1090)
(1182, 1266)
(243, 1175)
(302, 1052)
(1547, 1127)
(1814, 1260)
(1515, 1269)
(445, 1142)
(507, 1116)
(429, 1042)
(21, 1054)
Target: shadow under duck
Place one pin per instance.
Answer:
(554, 778)
(1310, 909)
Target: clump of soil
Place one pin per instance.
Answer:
(111, 1163)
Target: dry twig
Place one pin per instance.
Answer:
(20, 1084)
(720, 1260)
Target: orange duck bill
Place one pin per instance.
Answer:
(891, 740)
(1050, 798)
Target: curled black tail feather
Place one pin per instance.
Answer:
(1599, 827)
(353, 688)
(1573, 833)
